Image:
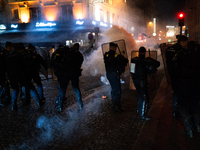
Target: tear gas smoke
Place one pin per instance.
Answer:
(94, 65)
(67, 126)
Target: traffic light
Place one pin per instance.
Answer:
(181, 17)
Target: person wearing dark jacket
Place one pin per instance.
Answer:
(67, 63)
(140, 68)
(187, 63)
(25, 82)
(115, 65)
(34, 61)
(14, 71)
(170, 53)
(4, 90)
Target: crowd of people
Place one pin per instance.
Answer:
(20, 68)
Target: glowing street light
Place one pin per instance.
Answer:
(150, 23)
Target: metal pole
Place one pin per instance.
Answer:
(180, 30)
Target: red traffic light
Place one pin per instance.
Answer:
(181, 15)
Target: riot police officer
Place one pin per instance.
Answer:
(4, 90)
(140, 68)
(67, 67)
(35, 60)
(187, 64)
(14, 66)
(115, 65)
(26, 84)
(170, 54)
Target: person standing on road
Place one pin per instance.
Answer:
(187, 63)
(170, 53)
(26, 85)
(4, 90)
(35, 60)
(140, 68)
(67, 63)
(14, 69)
(115, 65)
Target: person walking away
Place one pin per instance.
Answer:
(140, 68)
(187, 63)
(14, 67)
(170, 53)
(70, 70)
(115, 65)
(26, 85)
(35, 60)
(4, 90)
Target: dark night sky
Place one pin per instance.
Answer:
(168, 9)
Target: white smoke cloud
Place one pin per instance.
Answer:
(94, 64)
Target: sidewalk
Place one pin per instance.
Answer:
(163, 132)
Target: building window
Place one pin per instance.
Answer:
(35, 14)
(118, 20)
(108, 17)
(198, 17)
(78, 1)
(67, 13)
(101, 15)
(110, 2)
(113, 18)
(15, 14)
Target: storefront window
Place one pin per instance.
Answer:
(101, 15)
(15, 14)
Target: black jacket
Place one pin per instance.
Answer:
(188, 72)
(114, 62)
(35, 60)
(170, 53)
(14, 65)
(67, 60)
(142, 66)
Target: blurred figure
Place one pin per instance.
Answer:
(172, 51)
(35, 60)
(187, 64)
(140, 68)
(14, 67)
(4, 90)
(115, 65)
(67, 67)
(26, 84)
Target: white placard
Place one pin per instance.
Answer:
(132, 69)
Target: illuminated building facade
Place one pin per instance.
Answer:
(90, 15)
(106, 11)
(192, 20)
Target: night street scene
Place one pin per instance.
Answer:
(99, 75)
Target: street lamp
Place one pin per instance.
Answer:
(150, 23)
